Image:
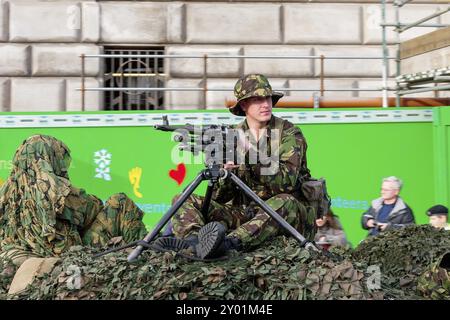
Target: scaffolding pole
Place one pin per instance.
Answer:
(399, 28)
(385, 67)
(397, 61)
(418, 22)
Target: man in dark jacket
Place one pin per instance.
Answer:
(389, 211)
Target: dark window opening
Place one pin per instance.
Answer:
(128, 72)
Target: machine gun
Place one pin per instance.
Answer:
(219, 143)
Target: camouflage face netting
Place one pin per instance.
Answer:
(252, 85)
(404, 255)
(41, 212)
(278, 270)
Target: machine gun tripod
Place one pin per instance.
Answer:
(214, 173)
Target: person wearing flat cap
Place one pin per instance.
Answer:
(438, 215)
(234, 222)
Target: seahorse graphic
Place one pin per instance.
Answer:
(135, 179)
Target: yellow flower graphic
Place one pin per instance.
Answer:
(135, 180)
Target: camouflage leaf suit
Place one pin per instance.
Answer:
(434, 283)
(230, 206)
(43, 213)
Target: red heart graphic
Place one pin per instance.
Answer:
(179, 174)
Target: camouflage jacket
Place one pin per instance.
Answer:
(400, 216)
(291, 169)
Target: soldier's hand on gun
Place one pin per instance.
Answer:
(230, 165)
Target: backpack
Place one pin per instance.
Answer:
(315, 193)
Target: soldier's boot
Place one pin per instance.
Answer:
(213, 243)
(176, 244)
(170, 244)
(192, 240)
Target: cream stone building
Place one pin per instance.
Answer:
(41, 42)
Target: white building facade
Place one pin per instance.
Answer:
(41, 43)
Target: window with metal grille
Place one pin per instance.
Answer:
(131, 72)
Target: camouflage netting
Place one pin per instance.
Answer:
(7, 272)
(278, 271)
(404, 254)
(270, 273)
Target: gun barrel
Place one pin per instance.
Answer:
(197, 139)
(191, 129)
(165, 127)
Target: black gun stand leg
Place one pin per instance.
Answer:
(272, 213)
(212, 173)
(213, 176)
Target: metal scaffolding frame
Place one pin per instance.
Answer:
(205, 88)
(317, 93)
(399, 28)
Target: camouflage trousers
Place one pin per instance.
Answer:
(85, 220)
(251, 229)
(119, 217)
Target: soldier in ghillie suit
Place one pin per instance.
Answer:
(233, 220)
(43, 213)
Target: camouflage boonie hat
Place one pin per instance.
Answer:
(252, 85)
(434, 283)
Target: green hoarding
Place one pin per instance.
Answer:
(441, 138)
(352, 149)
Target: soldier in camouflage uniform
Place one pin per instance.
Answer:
(246, 225)
(434, 283)
(42, 212)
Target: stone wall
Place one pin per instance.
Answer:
(40, 44)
